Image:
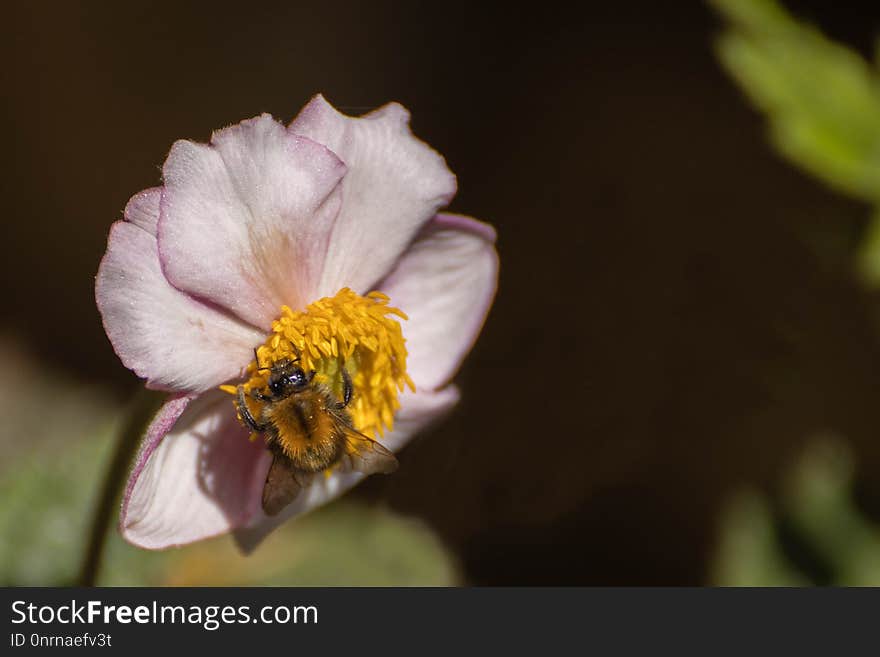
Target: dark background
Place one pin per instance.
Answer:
(676, 313)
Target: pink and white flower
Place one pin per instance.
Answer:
(267, 216)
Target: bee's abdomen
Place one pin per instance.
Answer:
(306, 433)
(317, 457)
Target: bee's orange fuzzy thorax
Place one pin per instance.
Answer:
(360, 333)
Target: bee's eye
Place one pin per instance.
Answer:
(276, 386)
(297, 378)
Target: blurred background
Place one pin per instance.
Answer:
(688, 314)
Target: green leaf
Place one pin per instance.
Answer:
(749, 553)
(821, 98)
(868, 257)
(819, 500)
(48, 494)
(343, 544)
(818, 505)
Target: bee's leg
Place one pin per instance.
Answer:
(245, 413)
(259, 396)
(346, 390)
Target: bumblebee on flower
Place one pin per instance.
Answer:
(307, 427)
(314, 254)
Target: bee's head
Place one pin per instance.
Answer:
(286, 378)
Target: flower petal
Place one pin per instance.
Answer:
(445, 283)
(197, 475)
(394, 184)
(417, 411)
(245, 222)
(142, 209)
(161, 333)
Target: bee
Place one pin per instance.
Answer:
(307, 430)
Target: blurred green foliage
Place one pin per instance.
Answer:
(814, 534)
(822, 102)
(821, 98)
(52, 462)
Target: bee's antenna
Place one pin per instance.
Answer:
(257, 361)
(296, 351)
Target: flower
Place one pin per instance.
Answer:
(322, 238)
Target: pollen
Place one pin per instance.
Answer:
(359, 333)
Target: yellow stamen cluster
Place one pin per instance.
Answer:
(347, 330)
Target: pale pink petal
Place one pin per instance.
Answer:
(142, 209)
(394, 184)
(246, 221)
(165, 336)
(197, 475)
(445, 283)
(417, 411)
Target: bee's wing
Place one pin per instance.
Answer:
(283, 484)
(363, 454)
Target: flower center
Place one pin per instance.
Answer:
(359, 333)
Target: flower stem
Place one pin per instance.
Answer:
(142, 408)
